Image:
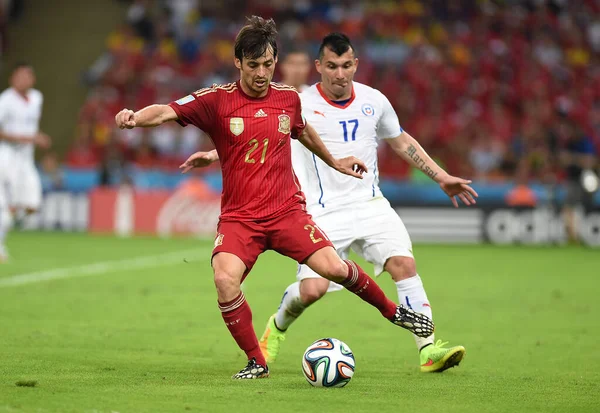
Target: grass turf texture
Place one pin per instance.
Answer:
(152, 339)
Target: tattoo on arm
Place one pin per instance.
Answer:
(419, 162)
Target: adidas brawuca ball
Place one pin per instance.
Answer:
(328, 362)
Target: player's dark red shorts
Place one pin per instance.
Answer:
(293, 234)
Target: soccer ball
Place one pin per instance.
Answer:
(328, 362)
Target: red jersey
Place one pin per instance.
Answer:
(252, 138)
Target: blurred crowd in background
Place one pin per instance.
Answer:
(494, 91)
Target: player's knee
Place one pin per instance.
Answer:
(312, 289)
(336, 270)
(401, 268)
(227, 284)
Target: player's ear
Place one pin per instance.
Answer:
(318, 65)
(237, 63)
(355, 63)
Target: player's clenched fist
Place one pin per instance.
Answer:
(124, 119)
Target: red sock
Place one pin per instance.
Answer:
(367, 289)
(238, 319)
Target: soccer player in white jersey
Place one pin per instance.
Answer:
(20, 112)
(295, 69)
(351, 119)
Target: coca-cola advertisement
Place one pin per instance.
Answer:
(192, 210)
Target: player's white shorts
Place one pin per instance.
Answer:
(20, 185)
(372, 229)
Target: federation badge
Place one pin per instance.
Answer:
(368, 110)
(236, 126)
(284, 124)
(219, 240)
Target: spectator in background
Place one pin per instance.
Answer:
(51, 174)
(522, 196)
(113, 170)
(83, 154)
(145, 157)
(138, 16)
(577, 156)
(486, 155)
(295, 68)
(445, 66)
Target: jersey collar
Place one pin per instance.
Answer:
(239, 86)
(335, 104)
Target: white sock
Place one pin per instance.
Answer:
(412, 294)
(290, 308)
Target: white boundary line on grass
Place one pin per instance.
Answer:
(104, 267)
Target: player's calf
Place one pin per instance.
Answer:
(312, 289)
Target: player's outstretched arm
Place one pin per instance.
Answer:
(40, 139)
(150, 116)
(350, 166)
(411, 151)
(199, 160)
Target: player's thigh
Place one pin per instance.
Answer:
(245, 240)
(341, 237)
(382, 236)
(4, 191)
(297, 236)
(28, 188)
(8, 185)
(305, 273)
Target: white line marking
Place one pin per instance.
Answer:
(103, 267)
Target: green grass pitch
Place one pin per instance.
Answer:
(101, 324)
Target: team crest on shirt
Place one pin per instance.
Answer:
(284, 124)
(219, 240)
(236, 126)
(368, 110)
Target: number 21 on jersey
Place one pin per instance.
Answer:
(346, 128)
(253, 143)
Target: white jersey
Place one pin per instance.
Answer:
(350, 130)
(20, 117)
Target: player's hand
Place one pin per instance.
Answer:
(198, 160)
(124, 119)
(351, 166)
(42, 140)
(457, 187)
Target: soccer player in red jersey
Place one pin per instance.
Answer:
(251, 123)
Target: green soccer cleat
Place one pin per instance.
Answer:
(436, 358)
(271, 340)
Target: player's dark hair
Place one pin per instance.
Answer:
(338, 43)
(290, 52)
(255, 38)
(21, 65)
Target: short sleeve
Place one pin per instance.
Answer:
(197, 109)
(299, 121)
(388, 126)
